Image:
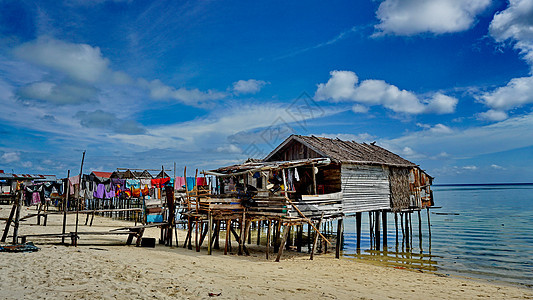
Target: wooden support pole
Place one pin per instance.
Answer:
(269, 233)
(308, 238)
(65, 207)
(314, 178)
(419, 231)
(8, 222)
(340, 232)
(407, 231)
(377, 231)
(217, 235)
(396, 227)
(371, 226)
(384, 222)
(316, 237)
(228, 229)
(210, 233)
(196, 232)
(78, 200)
(17, 217)
(283, 241)
(358, 219)
(241, 235)
(258, 233)
(299, 238)
(429, 223)
(247, 232)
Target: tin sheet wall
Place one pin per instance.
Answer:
(365, 188)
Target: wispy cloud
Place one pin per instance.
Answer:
(341, 36)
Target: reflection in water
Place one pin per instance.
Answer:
(480, 231)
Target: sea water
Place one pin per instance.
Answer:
(480, 231)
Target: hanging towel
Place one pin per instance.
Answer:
(190, 183)
(99, 192)
(296, 175)
(180, 183)
(201, 181)
(146, 183)
(133, 183)
(36, 198)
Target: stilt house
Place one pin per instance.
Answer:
(334, 178)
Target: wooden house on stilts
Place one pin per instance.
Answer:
(309, 179)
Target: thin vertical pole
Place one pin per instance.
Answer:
(384, 221)
(269, 233)
(65, 209)
(78, 201)
(358, 217)
(210, 232)
(420, 231)
(377, 236)
(340, 230)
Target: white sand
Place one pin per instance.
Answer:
(104, 268)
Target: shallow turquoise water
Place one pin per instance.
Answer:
(482, 231)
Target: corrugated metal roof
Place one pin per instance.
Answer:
(346, 151)
(102, 174)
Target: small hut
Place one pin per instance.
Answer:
(369, 177)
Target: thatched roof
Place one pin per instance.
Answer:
(346, 151)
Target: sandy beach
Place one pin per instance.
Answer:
(105, 268)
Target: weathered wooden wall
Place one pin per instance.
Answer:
(365, 188)
(294, 151)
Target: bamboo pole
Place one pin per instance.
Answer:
(78, 202)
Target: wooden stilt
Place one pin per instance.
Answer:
(396, 227)
(226, 246)
(8, 222)
(258, 233)
(283, 241)
(384, 222)
(65, 207)
(419, 231)
(269, 233)
(316, 237)
(358, 219)
(340, 230)
(247, 232)
(371, 223)
(217, 235)
(299, 238)
(78, 198)
(407, 231)
(429, 223)
(308, 238)
(377, 230)
(17, 218)
(241, 235)
(210, 233)
(288, 242)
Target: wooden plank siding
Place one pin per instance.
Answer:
(365, 188)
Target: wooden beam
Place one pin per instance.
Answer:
(316, 237)
(283, 241)
(340, 232)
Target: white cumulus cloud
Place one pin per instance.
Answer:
(514, 25)
(78, 61)
(250, 86)
(409, 17)
(345, 86)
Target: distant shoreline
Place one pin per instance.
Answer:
(480, 184)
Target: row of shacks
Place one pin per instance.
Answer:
(306, 180)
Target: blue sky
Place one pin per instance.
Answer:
(447, 84)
